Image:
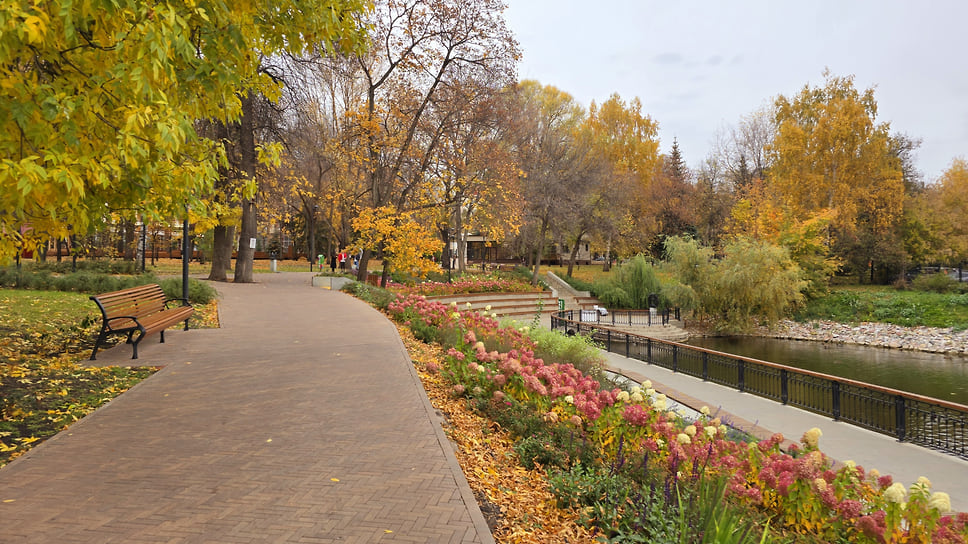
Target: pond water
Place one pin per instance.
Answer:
(943, 377)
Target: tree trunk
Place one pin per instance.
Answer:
(243, 265)
(311, 240)
(362, 267)
(540, 251)
(574, 255)
(128, 240)
(221, 253)
(608, 256)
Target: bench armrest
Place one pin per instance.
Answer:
(185, 302)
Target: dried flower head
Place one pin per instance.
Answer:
(940, 502)
(811, 438)
(895, 493)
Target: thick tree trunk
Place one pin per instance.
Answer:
(243, 265)
(222, 253)
(128, 247)
(362, 267)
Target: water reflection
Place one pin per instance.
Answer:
(939, 376)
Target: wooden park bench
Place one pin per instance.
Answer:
(143, 309)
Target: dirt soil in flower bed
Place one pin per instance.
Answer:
(517, 503)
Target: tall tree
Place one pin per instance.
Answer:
(628, 140)
(420, 47)
(101, 98)
(671, 201)
(553, 158)
(830, 153)
(948, 205)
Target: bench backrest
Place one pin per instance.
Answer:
(138, 301)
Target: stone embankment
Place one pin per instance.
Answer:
(928, 339)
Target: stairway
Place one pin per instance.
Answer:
(504, 304)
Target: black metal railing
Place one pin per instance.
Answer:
(925, 421)
(622, 317)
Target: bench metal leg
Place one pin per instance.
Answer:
(134, 344)
(100, 338)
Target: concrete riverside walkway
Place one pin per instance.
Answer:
(841, 441)
(301, 420)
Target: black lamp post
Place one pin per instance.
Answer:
(185, 257)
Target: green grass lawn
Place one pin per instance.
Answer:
(884, 304)
(45, 383)
(166, 267)
(45, 386)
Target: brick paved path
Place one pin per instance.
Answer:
(300, 420)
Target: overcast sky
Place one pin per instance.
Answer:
(699, 66)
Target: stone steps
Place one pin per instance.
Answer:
(504, 304)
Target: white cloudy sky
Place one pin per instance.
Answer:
(699, 66)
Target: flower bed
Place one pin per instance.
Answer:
(654, 462)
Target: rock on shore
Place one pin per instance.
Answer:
(874, 334)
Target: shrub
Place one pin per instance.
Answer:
(579, 351)
(937, 283)
(198, 292)
(371, 294)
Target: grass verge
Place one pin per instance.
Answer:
(45, 384)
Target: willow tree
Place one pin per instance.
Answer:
(100, 100)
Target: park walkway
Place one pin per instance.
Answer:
(301, 420)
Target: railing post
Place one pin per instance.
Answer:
(741, 376)
(835, 394)
(626, 344)
(675, 357)
(608, 342)
(784, 386)
(705, 366)
(900, 418)
(648, 350)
